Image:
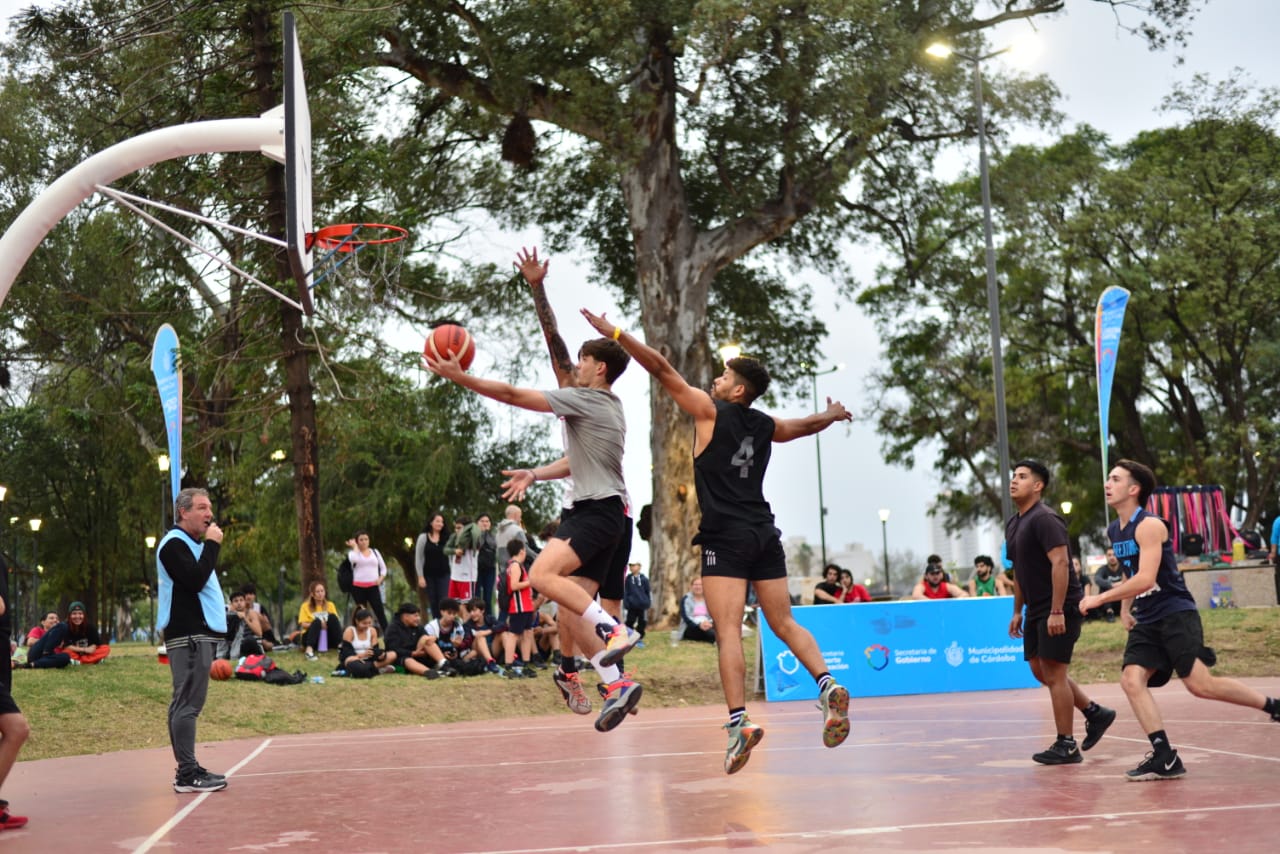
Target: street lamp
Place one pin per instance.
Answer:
(884, 542)
(729, 351)
(162, 463)
(151, 592)
(817, 444)
(943, 51)
(1067, 507)
(35, 562)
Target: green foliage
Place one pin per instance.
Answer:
(1184, 217)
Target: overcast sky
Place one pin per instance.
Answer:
(1110, 80)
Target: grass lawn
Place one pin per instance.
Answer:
(122, 703)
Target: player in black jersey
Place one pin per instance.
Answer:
(1165, 633)
(740, 544)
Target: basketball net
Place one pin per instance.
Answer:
(360, 255)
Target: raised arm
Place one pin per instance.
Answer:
(787, 429)
(692, 400)
(534, 272)
(451, 369)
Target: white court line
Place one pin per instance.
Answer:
(1184, 746)
(872, 831)
(173, 822)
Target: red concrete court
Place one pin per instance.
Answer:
(921, 773)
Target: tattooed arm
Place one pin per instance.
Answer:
(534, 271)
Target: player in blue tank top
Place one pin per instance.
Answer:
(1165, 633)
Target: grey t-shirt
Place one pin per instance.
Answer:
(595, 432)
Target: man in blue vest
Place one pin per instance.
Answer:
(192, 617)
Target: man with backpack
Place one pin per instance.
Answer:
(637, 600)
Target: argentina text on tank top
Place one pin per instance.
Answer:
(1170, 593)
(729, 473)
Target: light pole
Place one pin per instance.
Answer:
(35, 562)
(817, 444)
(4, 490)
(943, 51)
(151, 588)
(162, 463)
(884, 542)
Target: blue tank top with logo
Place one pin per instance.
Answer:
(1170, 593)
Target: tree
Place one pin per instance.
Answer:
(1185, 218)
(678, 137)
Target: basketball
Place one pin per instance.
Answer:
(447, 339)
(220, 669)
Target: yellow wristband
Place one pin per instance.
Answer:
(617, 332)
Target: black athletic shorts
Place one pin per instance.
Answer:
(615, 581)
(752, 554)
(7, 704)
(1038, 643)
(1172, 643)
(593, 530)
(517, 623)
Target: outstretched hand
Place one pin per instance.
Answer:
(518, 480)
(533, 270)
(450, 368)
(837, 411)
(599, 323)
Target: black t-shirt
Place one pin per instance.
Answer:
(830, 587)
(1030, 537)
(729, 473)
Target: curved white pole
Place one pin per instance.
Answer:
(265, 133)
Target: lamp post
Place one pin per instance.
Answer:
(151, 588)
(35, 562)
(817, 444)
(943, 51)
(884, 542)
(162, 463)
(4, 490)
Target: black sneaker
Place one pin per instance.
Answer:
(1095, 726)
(199, 783)
(1061, 752)
(1153, 768)
(432, 673)
(203, 771)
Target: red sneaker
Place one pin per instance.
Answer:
(9, 821)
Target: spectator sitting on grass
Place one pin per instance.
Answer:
(318, 616)
(404, 637)
(438, 643)
(82, 641)
(483, 632)
(359, 653)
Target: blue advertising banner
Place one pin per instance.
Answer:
(890, 648)
(164, 364)
(1108, 324)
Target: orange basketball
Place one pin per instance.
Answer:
(447, 339)
(220, 669)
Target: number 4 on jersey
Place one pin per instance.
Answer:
(745, 457)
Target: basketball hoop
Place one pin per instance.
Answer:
(364, 254)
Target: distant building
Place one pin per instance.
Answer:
(958, 549)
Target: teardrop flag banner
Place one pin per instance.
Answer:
(1106, 340)
(164, 364)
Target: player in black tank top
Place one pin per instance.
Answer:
(740, 545)
(729, 473)
(1164, 634)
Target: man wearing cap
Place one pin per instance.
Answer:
(402, 638)
(934, 584)
(192, 616)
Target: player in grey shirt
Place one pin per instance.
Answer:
(570, 569)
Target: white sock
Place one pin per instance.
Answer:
(595, 615)
(608, 675)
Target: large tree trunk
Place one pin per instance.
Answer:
(297, 373)
(673, 278)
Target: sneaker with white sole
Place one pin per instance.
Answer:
(199, 783)
(570, 685)
(1157, 768)
(1063, 751)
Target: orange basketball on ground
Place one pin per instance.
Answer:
(448, 339)
(220, 669)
